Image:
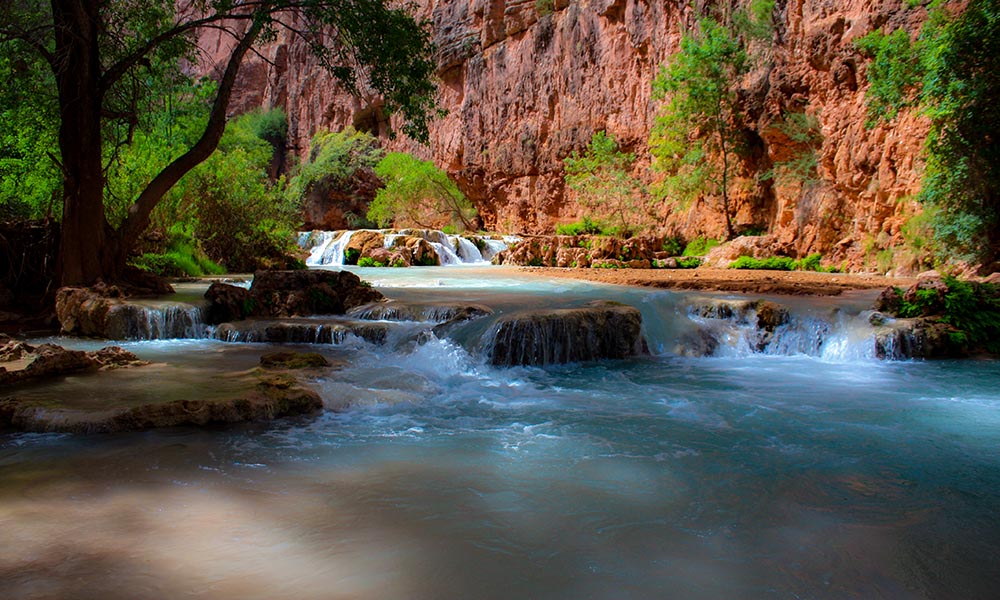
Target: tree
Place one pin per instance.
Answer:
(604, 185)
(951, 72)
(417, 193)
(105, 55)
(695, 135)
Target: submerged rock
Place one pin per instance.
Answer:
(272, 397)
(599, 330)
(22, 362)
(436, 312)
(293, 360)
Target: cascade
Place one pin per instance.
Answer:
(467, 251)
(326, 248)
(164, 322)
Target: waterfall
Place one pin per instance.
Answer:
(737, 328)
(327, 247)
(165, 322)
(446, 254)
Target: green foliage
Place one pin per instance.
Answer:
(688, 262)
(673, 246)
(756, 22)
(545, 7)
(604, 185)
(972, 308)
(334, 157)
(183, 257)
(803, 131)
(351, 256)
(696, 134)
(367, 261)
(772, 263)
(30, 181)
(699, 246)
(418, 194)
(585, 226)
(780, 263)
(952, 72)
(235, 213)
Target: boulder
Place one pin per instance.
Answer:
(227, 303)
(598, 330)
(297, 293)
(418, 250)
(364, 242)
(919, 337)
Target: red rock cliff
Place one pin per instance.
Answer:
(526, 82)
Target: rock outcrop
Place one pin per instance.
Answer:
(276, 294)
(104, 312)
(599, 330)
(21, 362)
(527, 83)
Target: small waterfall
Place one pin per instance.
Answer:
(467, 251)
(166, 322)
(446, 254)
(742, 328)
(493, 247)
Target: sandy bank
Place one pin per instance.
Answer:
(795, 283)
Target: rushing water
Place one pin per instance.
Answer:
(805, 473)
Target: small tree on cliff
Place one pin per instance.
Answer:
(104, 56)
(605, 187)
(695, 136)
(418, 193)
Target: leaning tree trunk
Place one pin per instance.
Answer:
(84, 255)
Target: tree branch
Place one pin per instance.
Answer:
(138, 217)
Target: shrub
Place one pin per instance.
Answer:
(367, 261)
(699, 246)
(674, 246)
(689, 262)
(585, 226)
(773, 263)
(419, 194)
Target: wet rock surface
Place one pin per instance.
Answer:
(297, 293)
(598, 330)
(273, 396)
(21, 362)
(437, 312)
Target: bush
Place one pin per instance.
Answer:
(689, 262)
(674, 246)
(699, 246)
(418, 194)
(809, 263)
(367, 261)
(585, 226)
(183, 257)
(773, 263)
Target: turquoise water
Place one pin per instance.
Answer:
(738, 476)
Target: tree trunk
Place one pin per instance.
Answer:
(84, 254)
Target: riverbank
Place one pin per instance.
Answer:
(792, 283)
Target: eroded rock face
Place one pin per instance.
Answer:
(599, 330)
(525, 85)
(582, 251)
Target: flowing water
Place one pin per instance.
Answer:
(807, 470)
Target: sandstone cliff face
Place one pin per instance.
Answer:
(527, 82)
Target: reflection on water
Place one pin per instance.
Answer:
(738, 477)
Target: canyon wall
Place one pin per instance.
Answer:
(526, 82)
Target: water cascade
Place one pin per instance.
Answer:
(156, 321)
(326, 248)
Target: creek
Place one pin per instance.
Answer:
(800, 468)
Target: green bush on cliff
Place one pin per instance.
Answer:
(951, 73)
(699, 246)
(419, 194)
(972, 308)
(602, 183)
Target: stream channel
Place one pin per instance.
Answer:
(810, 470)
